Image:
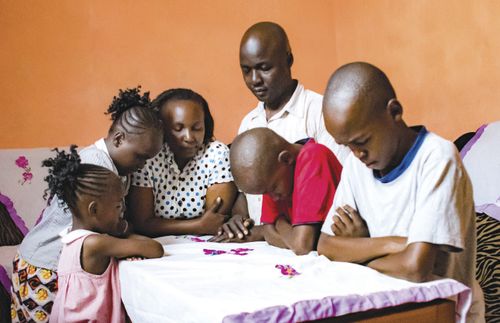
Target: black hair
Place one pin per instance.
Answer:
(69, 179)
(190, 95)
(131, 112)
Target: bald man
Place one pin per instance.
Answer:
(404, 205)
(285, 106)
(297, 181)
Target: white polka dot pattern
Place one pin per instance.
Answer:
(182, 194)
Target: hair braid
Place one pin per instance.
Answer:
(69, 179)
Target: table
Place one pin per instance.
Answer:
(199, 281)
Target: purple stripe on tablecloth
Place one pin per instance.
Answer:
(13, 214)
(472, 141)
(341, 305)
(489, 209)
(5, 280)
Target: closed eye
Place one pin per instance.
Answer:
(265, 67)
(361, 142)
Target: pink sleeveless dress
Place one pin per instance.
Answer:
(82, 296)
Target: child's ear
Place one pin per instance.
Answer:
(118, 138)
(92, 208)
(395, 109)
(286, 157)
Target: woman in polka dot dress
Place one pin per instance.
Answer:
(188, 187)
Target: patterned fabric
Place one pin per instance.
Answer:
(488, 264)
(33, 292)
(181, 194)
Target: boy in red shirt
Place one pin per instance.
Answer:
(298, 182)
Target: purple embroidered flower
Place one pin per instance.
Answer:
(196, 239)
(287, 270)
(27, 176)
(213, 252)
(240, 251)
(22, 162)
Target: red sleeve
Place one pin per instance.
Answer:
(270, 210)
(317, 176)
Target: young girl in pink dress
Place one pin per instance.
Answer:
(89, 287)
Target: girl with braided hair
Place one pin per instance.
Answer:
(89, 286)
(135, 135)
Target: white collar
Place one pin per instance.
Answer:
(101, 145)
(290, 107)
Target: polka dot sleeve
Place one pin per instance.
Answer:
(218, 164)
(142, 177)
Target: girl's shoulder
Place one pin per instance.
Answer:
(68, 235)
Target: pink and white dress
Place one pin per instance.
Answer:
(82, 296)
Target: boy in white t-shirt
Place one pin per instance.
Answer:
(404, 203)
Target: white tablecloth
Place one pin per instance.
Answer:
(210, 282)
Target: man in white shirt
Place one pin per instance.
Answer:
(285, 106)
(404, 203)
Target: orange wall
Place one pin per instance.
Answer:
(443, 57)
(61, 62)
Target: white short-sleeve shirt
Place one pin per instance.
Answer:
(300, 118)
(182, 194)
(427, 198)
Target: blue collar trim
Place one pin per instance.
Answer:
(405, 163)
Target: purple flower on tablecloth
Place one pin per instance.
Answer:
(22, 162)
(287, 270)
(213, 252)
(240, 251)
(196, 239)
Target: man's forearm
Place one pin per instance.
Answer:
(414, 263)
(358, 250)
(301, 239)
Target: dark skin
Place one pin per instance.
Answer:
(184, 132)
(102, 215)
(372, 127)
(277, 182)
(266, 61)
(129, 152)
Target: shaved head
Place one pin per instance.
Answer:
(356, 93)
(266, 34)
(361, 111)
(254, 157)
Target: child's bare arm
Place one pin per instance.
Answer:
(108, 246)
(301, 239)
(414, 263)
(98, 249)
(273, 237)
(358, 250)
